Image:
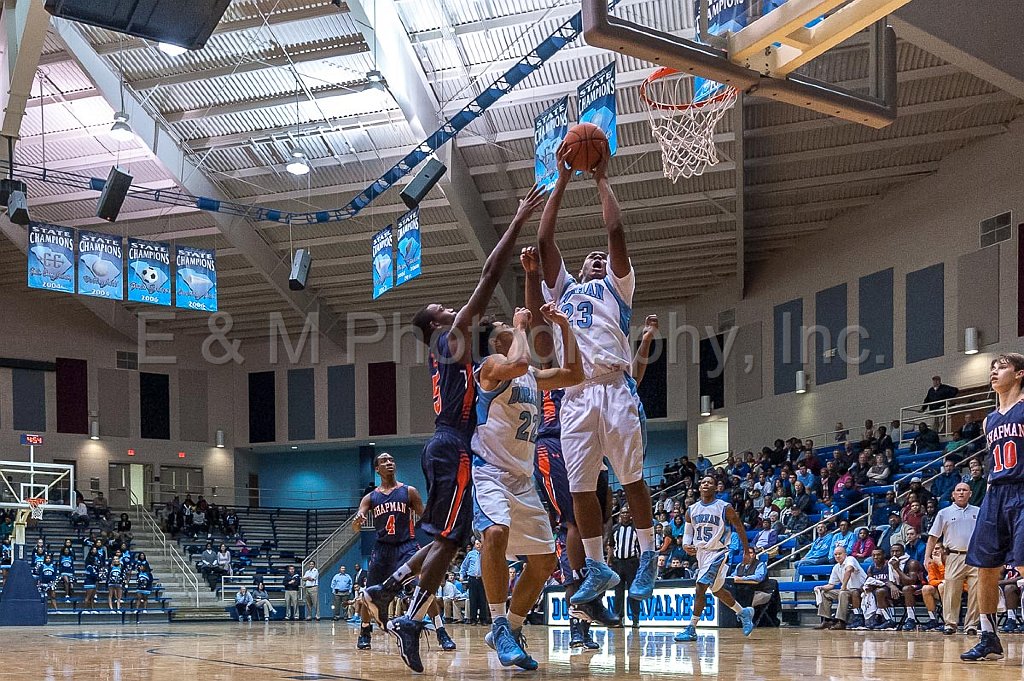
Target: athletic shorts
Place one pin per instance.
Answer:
(446, 467)
(549, 472)
(711, 568)
(503, 498)
(998, 537)
(386, 558)
(602, 417)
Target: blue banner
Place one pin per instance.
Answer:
(549, 130)
(51, 258)
(197, 279)
(407, 234)
(100, 265)
(149, 272)
(597, 103)
(383, 262)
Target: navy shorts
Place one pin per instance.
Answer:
(549, 472)
(386, 558)
(998, 537)
(446, 462)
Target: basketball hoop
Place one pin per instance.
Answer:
(36, 505)
(684, 110)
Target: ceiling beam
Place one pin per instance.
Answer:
(92, 195)
(915, 169)
(23, 25)
(248, 105)
(653, 176)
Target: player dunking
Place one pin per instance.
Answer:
(600, 417)
(508, 513)
(446, 457)
(390, 507)
(998, 537)
(707, 536)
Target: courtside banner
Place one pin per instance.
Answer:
(549, 130)
(597, 103)
(724, 15)
(383, 262)
(51, 258)
(407, 234)
(100, 265)
(670, 606)
(149, 272)
(196, 279)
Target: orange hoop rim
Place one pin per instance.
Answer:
(666, 71)
(36, 502)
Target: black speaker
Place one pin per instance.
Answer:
(188, 23)
(114, 193)
(423, 183)
(300, 270)
(17, 208)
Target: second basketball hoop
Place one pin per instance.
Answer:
(684, 110)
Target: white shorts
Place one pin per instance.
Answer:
(503, 498)
(602, 417)
(711, 568)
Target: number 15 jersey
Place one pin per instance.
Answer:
(711, 530)
(507, 419)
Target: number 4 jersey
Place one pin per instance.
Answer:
(391, 515)
(507, 419)
(1005, 436)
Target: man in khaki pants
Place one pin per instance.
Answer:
(954, 526)
(843, 587)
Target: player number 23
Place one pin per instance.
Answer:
(1004, 457)
(586, 310)
(527, 431)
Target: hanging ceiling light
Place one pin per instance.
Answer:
(171, 50)
(121, 130)
(376, 80)
(298, 165)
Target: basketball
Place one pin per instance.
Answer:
(585, 144)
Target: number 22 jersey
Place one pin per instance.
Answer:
(507, 419)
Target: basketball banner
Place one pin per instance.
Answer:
(549, 129)
(51, 258)
(149, 272)
(100, 264)
(383, 262)
(196, 279)
(724, 15)
(597, 103)
(407, 235)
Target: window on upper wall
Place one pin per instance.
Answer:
(996, 229)
(127, 360)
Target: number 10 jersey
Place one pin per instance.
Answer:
(507, 419)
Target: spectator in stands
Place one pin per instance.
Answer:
(893, 533)
(124, 529)
(803, 497)
(1011, 596)
(844, 492)
(859, 470)
(797, 523)
(869, 432)
(100, 509)
(230, 524)
(938, 393)
(913, 514)
(200, 524)
(842, 432)
(879, 473)
(931, 510)
(341, 592)
(243, 604)
(261, 601)
(844, 537)
(819, 553)
(291, 593)
(915, 545)
(224, 560)
(927, 440)
(703, 465)
(954, 526)
(943, 484)
(767, 537)
(311, 585)
(723, 493)
(975, 480)
(208, 561)
(676, 570)
(843, 586)
(6, 525)
(864, 546)
(918, 490)
(955, 447)
(884, 441)
(454, 600)
(806, 477)
(880, 514)
(79, 516)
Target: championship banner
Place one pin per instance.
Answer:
(549, 130)
(724, 15)
(383, 263)
(407, 234)
(100, 264)
(197, 279)
(149, 272)
(51, 258)
(597, 103)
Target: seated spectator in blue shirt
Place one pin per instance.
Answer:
(723, 493)
(677, 526)
(844, 536)
(703, 465)
(820, 552)
(915, 546)
(807, 477)
(243, 604)
(880, 515)
(767, 537)
(943, 484)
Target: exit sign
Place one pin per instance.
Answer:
(31, 440)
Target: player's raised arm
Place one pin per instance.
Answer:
(497, 367)
(550, 256)
(643, 352)
(540, 332)
(571, 371)
(734, 519)
(493, 271)
(618, 254)
(361, 514)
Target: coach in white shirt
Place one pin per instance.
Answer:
(953, 526)
(311, 585)
(844, 585)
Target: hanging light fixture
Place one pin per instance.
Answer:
(705, 405)
(220, 439)
(298, 165)
(121, 131)
(171, 50)
(801, 382)
(94, 430)
(971, 340)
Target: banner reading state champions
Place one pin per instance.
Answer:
(549, 130)
(51, 258)
(383, 262)
(197, 279)
(149, 272)
(408, 237)
(597, 103)
(100, 264)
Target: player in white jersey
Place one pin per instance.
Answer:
(507, 509)
(707, 536)
(602, 416)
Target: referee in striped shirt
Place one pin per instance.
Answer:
(624, 551)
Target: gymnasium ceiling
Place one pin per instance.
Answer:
(225, 123)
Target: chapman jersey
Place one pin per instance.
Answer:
(507, 420)
(711, 530)
(1005, 436)
(551, 406)
(392, 517)
(599, 312)
(454, 389)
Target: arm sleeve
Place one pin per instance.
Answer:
(688, 535)
(553, 294)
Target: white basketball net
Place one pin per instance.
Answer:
(684, 111)
(36, 507)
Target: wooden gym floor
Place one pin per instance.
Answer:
(308, 652)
